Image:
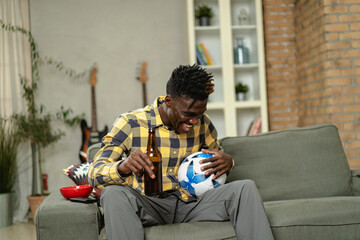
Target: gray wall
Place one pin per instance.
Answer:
(116, 35)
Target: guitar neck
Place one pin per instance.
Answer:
(143, 77)
(144, 94)
(93, 110)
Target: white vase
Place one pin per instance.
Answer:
(6, 213)
(241, 96)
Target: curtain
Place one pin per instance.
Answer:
(15, 61)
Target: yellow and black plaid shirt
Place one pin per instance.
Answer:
(130, 132)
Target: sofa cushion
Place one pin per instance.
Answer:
(195, 230)
(58, 218)
(290, 164)
(317, 218)
(181, 231)
(355, 187)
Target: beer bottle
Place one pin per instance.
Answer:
(153, 187)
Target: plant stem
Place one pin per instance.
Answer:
(33, 156)
(40, 170)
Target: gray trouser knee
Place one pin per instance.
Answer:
(117, 202)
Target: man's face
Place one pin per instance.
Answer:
(184, 113)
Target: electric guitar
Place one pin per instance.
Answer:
(91, 135)
(143, 77)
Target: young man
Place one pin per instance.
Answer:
(182, 128)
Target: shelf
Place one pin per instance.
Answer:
(246, 66)
(207, 28)
(247, 104)
(243, 27)
(238, 105)
(212, 67)
(215, 106)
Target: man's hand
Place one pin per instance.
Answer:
(221, 162)
(137, 162)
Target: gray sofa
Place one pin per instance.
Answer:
(302, 175)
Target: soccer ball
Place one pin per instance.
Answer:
(193, 180)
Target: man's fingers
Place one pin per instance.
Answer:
(216, 168)
(139, 167)
(209, 166)
(218, 174)
(213, 152)
(210, 151)
(210, 159)
(211, 171)
(212, 162)
(134, 167)
(149, 171)
(217, 164)
(148, 162)
(147, 165)
(138, 162)
(135, 170)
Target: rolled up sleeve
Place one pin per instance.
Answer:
(104, 170)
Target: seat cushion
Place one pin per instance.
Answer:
(291, 164)
(181, 231)
(195, 230)
(317, 218)
(58, 218)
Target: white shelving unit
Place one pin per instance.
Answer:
(232, 117)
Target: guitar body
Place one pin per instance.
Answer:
(89, 138)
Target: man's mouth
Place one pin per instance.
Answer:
(186, 127)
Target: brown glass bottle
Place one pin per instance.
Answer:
(153, 187)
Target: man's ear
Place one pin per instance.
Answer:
(169, 101)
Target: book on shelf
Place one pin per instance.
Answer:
(201, 53)
(249, 128)
(199, 58)
(255, 127)
(207, 55)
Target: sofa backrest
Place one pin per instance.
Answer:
(291, 164)
(92, 150)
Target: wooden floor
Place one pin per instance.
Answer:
(18, 231)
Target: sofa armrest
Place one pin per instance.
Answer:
(58, 218)
(355, 175)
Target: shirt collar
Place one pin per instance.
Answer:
(156, 104)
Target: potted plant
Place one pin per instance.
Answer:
(34, 126)
(241, 89)
(8, 152)
(204, 13)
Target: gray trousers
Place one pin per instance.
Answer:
(126, 211)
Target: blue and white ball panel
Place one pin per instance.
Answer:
(193, 180)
